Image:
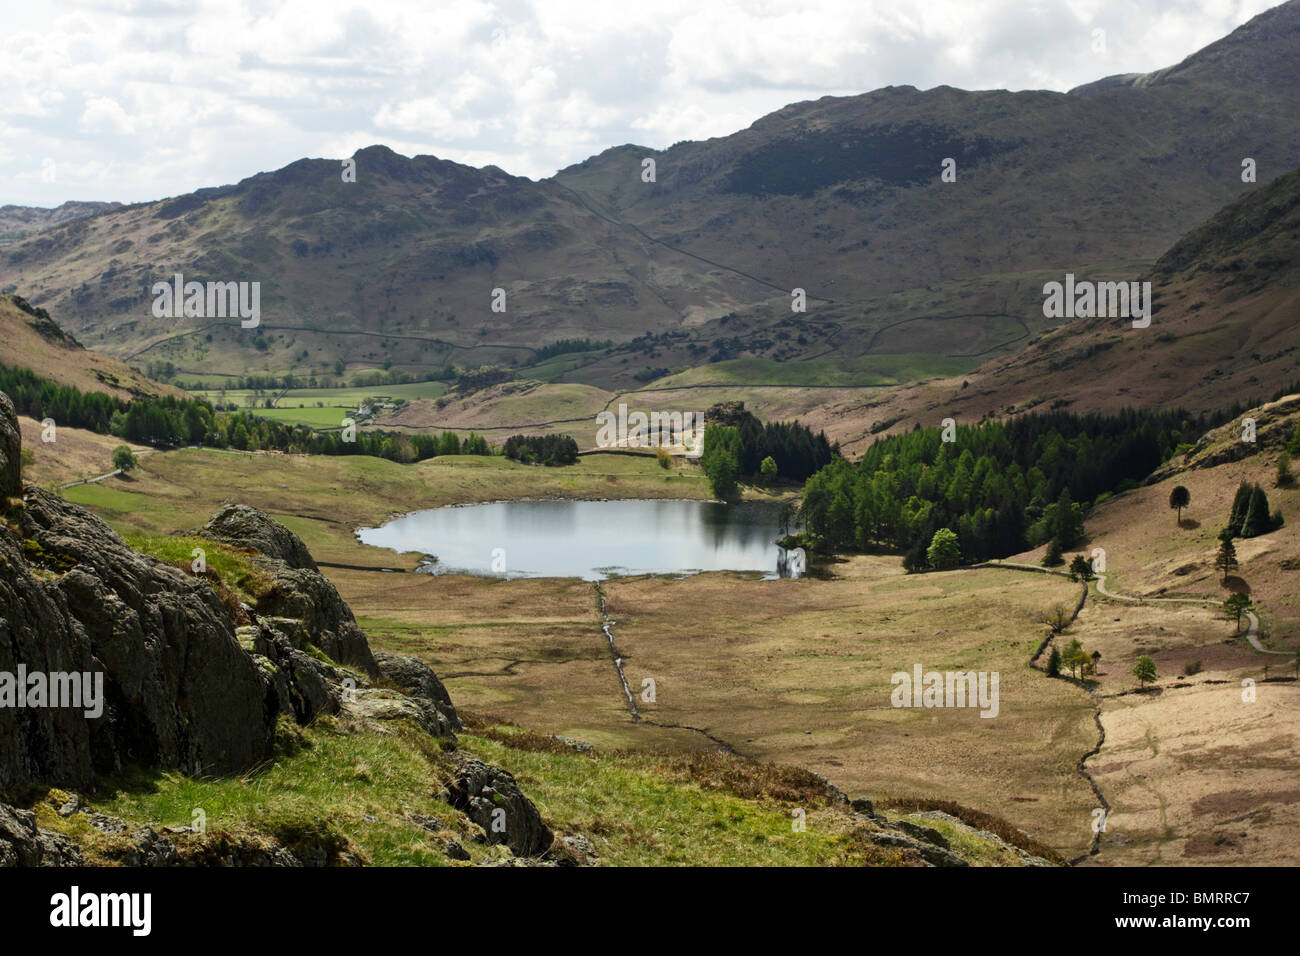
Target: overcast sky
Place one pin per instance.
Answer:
(138, 99)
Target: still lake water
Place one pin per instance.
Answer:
(591, 539)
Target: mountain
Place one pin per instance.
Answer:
(840, 196)
(19, 220)
(1225, 300)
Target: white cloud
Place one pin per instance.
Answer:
(105, 115)
(137, 99)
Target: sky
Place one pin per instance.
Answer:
(134, 100)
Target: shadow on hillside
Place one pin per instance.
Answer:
(1189, 523)
(1235, 584)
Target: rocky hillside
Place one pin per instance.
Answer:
(19, 220)
(193, 679)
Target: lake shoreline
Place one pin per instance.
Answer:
(565, 537)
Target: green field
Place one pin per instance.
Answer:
(331, 396)
(320, 407)
(327, 417)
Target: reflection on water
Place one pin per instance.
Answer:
(593, 539)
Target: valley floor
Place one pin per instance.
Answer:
(799, 672)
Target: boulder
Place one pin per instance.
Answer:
(299, 592)
(381, 704)
(242, 526)
(490, 797)
(327, 621)
(419, 681)
(23, 843)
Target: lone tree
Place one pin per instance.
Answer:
(1081, 569)
(1284, 476)
(1053, 558)
(1179, 499)
(944, 551)
(1096, 659)
(1145, 671)
(1235, 607)
(768, 468)
(123, 458)
(1226, 560)
(1054, 662)
(1057, 617)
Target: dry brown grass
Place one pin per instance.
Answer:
(74, 455)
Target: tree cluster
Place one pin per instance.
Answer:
(1001, 487)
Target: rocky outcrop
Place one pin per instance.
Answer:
(11, 484)
(297, 683)
(418, 681)
(931, 854)
(242, 526)
(490, 797)
(23, 843)
(299, 592)
(177, 689)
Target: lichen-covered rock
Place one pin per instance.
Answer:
(931, 854)
(300, 684)
(380, 704)
(309, 597)
(245, 527)
(299, 592)
(178, 690)
(419, 681)
(490, 797)
(23, 843)
(150, 848)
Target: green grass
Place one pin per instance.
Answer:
(332, 397)
(557, 365)
(328, 417)
(103, 498)
(237, 571)
(353, 784)
(641, 813)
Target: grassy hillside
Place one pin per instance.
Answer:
(29, 338)
(1224, 299)
(797, 672)
(371, 794)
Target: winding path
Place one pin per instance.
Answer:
(1252, 633)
